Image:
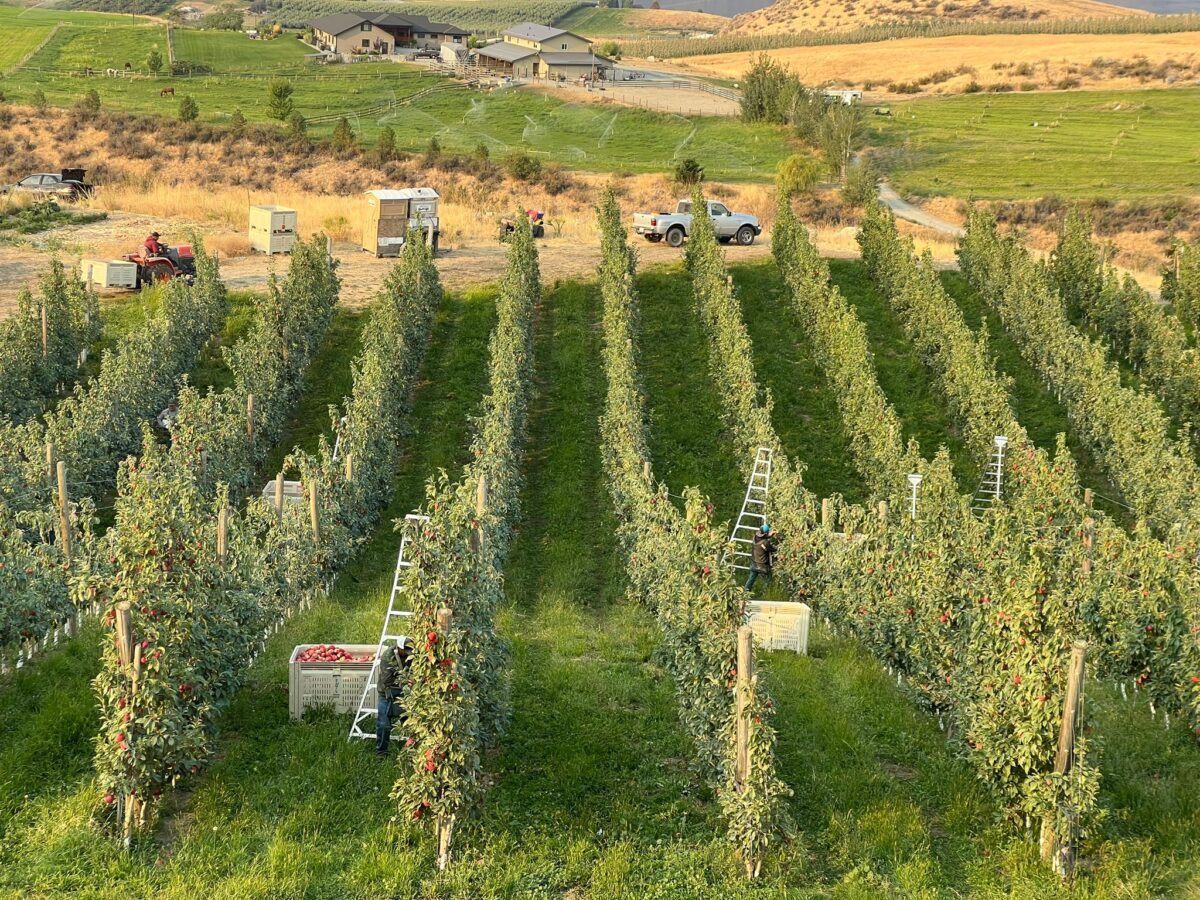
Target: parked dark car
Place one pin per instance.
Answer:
(67, 184)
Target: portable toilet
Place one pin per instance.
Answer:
(389, 214)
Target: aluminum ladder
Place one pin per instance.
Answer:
(991, 484)
(754, 511)
(367, 706)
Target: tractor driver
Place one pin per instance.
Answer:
(153, 247)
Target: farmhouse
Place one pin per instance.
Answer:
(351, 33)
(529, 50)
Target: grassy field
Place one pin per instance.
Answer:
(18, 40)
(74, 47)
(1115, 144)
(232, 51)
(39, 15)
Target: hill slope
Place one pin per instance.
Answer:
(824, 15)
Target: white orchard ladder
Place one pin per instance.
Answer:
(991, 484)
(367, 706)
(754, 511)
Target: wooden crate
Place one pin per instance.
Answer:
(272, 229)
(108, 273)
(780, 625)
(338, 685)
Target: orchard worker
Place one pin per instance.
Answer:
(393, 663)
(152, 245)
(762, 556)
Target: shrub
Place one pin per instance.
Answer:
(861, 183)
(298, 128)
(343, 135)
(89, 102)
(189, 110)
(972, 87)
(433, 152)
(1066, 84)
(39, 100)
(237, 123)
(280, 105)
(1000, 87)
(386, 148)
(524, 167)
(688, 172)
(555, 180)
(798, 174)
(154, 61)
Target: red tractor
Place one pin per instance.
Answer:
(173, 262)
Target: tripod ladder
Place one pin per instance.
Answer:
(391, 624)
(754, 511)
(991, 484)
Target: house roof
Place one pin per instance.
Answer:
(338, 23)
(575, 59)
(506, 52)
(531, 31)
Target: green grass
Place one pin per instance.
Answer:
(1115, 144)
(75, 47)
(18, 40)
(232, 51)
(11, 14)
(674, 365)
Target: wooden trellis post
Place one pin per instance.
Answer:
(1088, 496)
(445, 823)
(826, 514)
(51, 461)
(250, 417)
(222, 534)
(745, 672)
(123, 622)
(64, 514)
(279, 499)
(45, 333)
(647, 472)
(1059, 849)
(883, 510)
(349, 466)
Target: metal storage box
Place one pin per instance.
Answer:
(338, 685)
(272, 229)
(389, 214)
(108, 273)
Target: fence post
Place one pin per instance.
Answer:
(64, 516)
(883, 510)
(1088, 496)
(445, 823)
(314, 512)
(349, 466)
(250, 417)
(647, 472)
(45, 333)
(1060, 849)
(826, 513)
(222, 534)
(279, 499)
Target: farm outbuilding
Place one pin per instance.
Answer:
(388, 215)
(272, 229)
(383, 33)
(530, 50)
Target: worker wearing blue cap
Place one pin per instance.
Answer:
(762, 556)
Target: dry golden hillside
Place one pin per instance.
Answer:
(946, 65)
(843, 15)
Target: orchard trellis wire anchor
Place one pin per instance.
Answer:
(754, 511)
(367, 706)
(914, 481)
(991, 485)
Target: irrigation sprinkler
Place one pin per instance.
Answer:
(914, 481)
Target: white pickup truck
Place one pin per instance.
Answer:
(676, 226)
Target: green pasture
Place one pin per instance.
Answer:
(18, 40)
(75, 47)
(1122, 145)
(232, 51)
(40, 15)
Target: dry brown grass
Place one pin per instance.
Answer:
(1031, 59)
(824, 15)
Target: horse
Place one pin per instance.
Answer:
(128, 68)
(87, 71)
(167, 91)
(111, 73)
